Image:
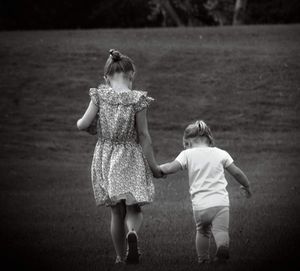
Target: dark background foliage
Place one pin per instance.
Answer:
(62, 14)
(273, 11)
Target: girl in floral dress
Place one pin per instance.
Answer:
(123, 163)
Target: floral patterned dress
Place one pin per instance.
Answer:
(119, 168)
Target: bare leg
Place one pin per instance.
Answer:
(134, 217)
(117, 229)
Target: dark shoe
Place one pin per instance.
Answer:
(205, 261)
(119, 261)
(222, 254)
(133, 254)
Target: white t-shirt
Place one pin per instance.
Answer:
(206, 175)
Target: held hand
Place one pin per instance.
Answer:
(246, 191)
(157, 173)
(164, 175)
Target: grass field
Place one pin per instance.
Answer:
(243, 81)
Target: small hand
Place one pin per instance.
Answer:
(157, 173)
(164, 175)
(246, 191)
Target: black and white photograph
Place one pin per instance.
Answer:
(142, 135)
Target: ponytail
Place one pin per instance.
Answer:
(199, 129)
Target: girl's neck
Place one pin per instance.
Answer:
(121, 86)
(200, 145)
(199, 142)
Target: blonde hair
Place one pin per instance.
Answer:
(117, 63)
(198, 129)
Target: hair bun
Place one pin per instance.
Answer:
(115, 55)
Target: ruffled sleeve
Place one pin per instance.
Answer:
(143, 102)
(94, 96)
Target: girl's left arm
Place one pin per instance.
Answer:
(171, 167)
(88, 117)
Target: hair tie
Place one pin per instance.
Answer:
(115, 55)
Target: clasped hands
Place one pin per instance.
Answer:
(158, 173)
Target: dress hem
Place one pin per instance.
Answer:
(128, 198)
(109, 204)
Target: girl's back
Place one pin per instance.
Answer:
(117, 112)
(207, 181)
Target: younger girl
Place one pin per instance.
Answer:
(123, 157)
(205, 165)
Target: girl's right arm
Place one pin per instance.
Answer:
(240, 177)
(146, 143)
(84, 122)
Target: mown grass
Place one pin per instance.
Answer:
(244, 81)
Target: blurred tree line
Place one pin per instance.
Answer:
(43, 14)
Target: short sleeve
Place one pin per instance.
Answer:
(94, 96)
(227, 160)
(143, 102)
(182, 159)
